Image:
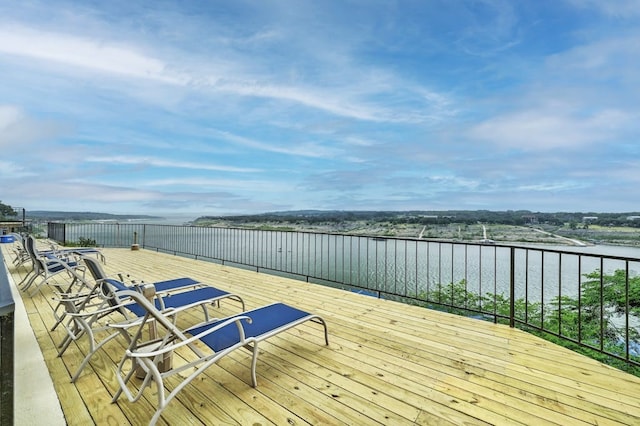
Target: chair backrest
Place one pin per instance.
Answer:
(100, 277)
(38, 263)
(30, 246)
(94, 268)
(111, 289)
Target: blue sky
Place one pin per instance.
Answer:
(220, 107)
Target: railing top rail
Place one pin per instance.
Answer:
(531, 248)
(577, 253)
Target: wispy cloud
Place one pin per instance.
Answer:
(74, 51)
(77, 53)
(538, 129)
(627, 9)
(236, 185)
(18, 130)
(297, 148)
(167, 163)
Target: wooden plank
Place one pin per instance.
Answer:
(387, 363)
(443, 351)
(73, 405)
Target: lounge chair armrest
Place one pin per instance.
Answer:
(188, 341)
(57, 261)
(133, 322)
(97, 312)
(71, 297)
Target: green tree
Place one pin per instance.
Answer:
(570, 322)
(613, 296)
(6, 210)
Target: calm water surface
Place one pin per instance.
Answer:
(408, 267)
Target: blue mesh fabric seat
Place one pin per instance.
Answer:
(145, 358)
(263, 321)
(175, 300)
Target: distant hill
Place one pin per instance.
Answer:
(509, 217)
(80, 216)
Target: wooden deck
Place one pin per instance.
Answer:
(387, 363)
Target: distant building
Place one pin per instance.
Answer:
(633, 217)
(586, 219)
(9, 226)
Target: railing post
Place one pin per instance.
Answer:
(135, 245)
(512, 289)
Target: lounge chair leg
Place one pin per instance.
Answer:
(64, 345)
(72, 334)
(90, 354)
(25, 278)
(36, 289)
(26, 285)
(254, 362)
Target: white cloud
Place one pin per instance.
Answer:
(582, 96)
(628, 9)
(548, 187)
(603, 60)
(84, 52)
(302, 149)
(252, 185)
(162, 162)
(546, 129)
(444, 183)
(344, 94)
(17, 130)
(8, 116)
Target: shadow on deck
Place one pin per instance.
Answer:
(387, 363)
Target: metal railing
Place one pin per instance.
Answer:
(588, 300)
(7, 332)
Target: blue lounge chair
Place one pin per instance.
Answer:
(85, 313)
(166, 294)
(160, 287)
(144, 358)
(19, 251)
(23, 255)
(46, 266)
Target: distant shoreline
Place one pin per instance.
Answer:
(497, 233)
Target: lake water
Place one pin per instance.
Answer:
(405, 267)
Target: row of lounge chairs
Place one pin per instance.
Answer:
(47, 263)
(91, 305)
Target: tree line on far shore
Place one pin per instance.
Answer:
(508, 217)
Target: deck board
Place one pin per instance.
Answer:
(387, 363)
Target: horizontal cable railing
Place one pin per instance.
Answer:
(588, 300)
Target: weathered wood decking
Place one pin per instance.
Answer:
(387, 363)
